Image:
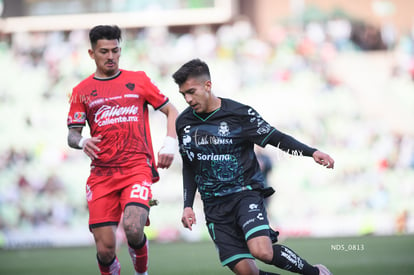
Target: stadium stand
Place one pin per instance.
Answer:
(358, 105)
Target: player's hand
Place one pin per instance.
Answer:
(188, 218)
(165, 160)
(166, 153)
(323, 159)
(90, 148)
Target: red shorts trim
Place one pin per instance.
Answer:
(107, 196)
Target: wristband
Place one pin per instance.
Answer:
(82, 142)
(170, 145)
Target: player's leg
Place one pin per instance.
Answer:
(248, 267)
(233, 250)
(229, 239)
(252, 219)
(261, 248)
(134, 220)
(135, 200)
(105, 241)
(104, 214)
(280, 256)
(244, 267)
(286, 258)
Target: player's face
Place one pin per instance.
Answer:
(106, 54)
(196, 92)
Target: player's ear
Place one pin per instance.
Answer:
(207, 85)
(91, 54)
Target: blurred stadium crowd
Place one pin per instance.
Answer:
(324, 83)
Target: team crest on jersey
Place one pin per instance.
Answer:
(130, 86)
(223, 129)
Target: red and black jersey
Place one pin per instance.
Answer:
(117, 109)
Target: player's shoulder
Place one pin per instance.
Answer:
(185, 114)
(135, 74)
(232, 106)
(184, 117)
(230, 103)
(84, 83)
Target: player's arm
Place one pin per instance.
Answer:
(189, 189)
(166, 153)
(74, 137)
(294, 147)
(76, 141)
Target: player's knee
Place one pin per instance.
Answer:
(133, 230)
(244, 267)
(106, 254)
(105, 243)
(264, 255)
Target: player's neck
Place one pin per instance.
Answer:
(101, 75)
(214, 104)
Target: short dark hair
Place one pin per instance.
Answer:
(104, 32)
(193, 68)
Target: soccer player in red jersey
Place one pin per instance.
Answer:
(114, 102)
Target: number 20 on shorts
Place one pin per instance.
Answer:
(140, 192)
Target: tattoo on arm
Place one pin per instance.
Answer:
(74, 136)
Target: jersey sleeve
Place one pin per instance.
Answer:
(289, 144)
(261, 133)
(77, 111)
(255, 127)
(189, 185)
(152, 94)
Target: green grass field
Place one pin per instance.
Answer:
(352, 255)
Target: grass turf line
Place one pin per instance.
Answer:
(351, 255)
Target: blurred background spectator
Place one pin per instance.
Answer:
(342, 82)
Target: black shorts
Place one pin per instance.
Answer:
(234, 220)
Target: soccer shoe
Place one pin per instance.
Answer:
(323, 270)
(145, 273)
